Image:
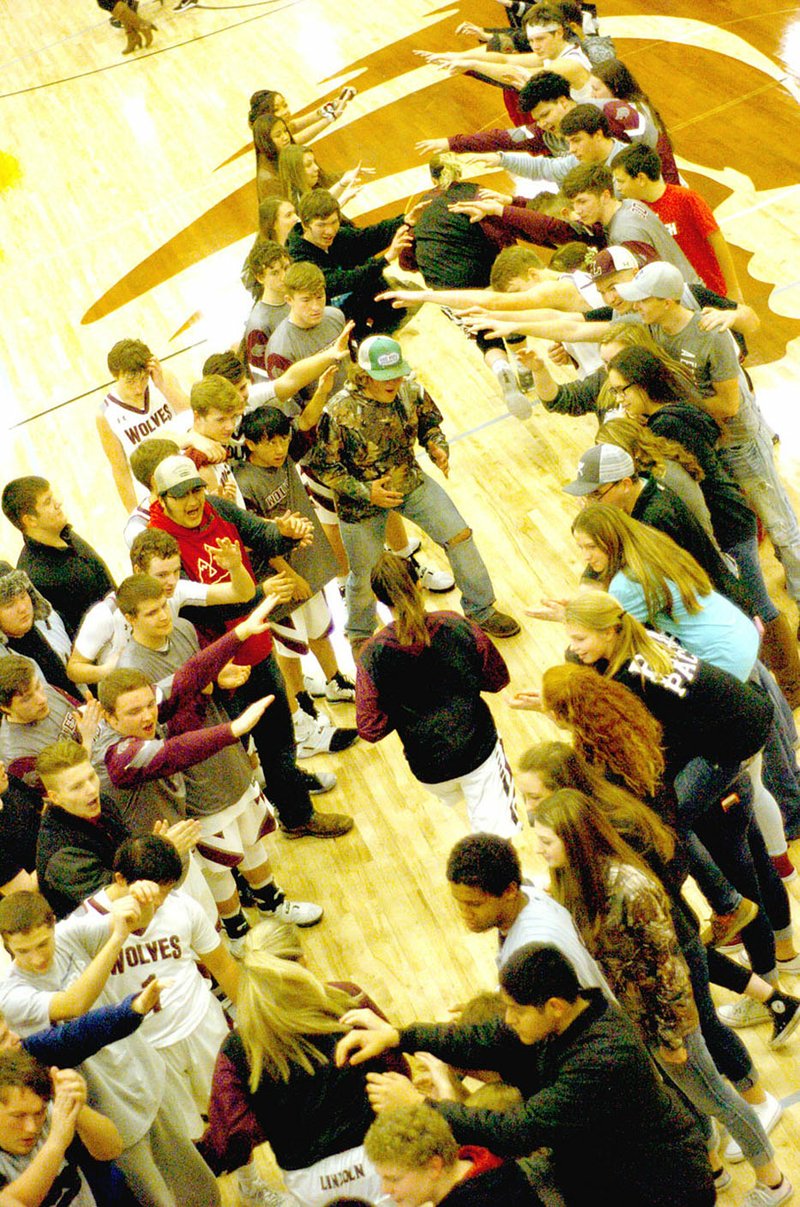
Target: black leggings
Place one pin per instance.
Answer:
(737, 846)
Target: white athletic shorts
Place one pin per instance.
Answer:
(309, 621)
(490, 795)
(233, 836)
(190, 1066)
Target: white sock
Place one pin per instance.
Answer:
(500, 365)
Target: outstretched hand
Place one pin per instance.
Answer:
(549, 609)
(528, 700)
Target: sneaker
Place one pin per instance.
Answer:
(339, 688)
(785, 1011)
(762, 1195)
(321, 825)
(301, 913)
(788, 967)
(319, 736)
(744, 1012)
(254, 1192)
(518, 405)
(769, 1112)
(414, 543)
(182, 4)
(722, 927)
(498, 624)
(784, 867)
(436, 581)
(314, 687)
(236, 947)
(318, 782)
(722, 1179)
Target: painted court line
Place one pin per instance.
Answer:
(471, 431)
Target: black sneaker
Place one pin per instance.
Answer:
(182, 4)
(785, 1012)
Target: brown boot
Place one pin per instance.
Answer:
(779, 652)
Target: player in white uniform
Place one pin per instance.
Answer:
(146, 400)
(190, 1025)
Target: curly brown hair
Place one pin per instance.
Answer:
(611, 728)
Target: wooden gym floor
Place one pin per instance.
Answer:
(129, 208)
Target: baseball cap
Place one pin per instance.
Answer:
(176, 476)
(620, 257)
(659, 280)
(382, 358)
(603, 464)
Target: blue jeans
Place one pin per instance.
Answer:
(752, 466)
(432, 510)
(745, 554)
(710, 1094)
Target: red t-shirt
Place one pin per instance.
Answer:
(690, 220)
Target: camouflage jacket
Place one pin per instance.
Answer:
(636, 947)
(359, 440)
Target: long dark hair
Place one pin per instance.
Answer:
(625, 86)
(661, 383)
(394, 584)
(591, 847)
(559, 765)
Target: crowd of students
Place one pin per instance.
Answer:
(151, 1035)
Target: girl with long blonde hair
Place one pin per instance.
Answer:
(276, 1078)
(631, 560)
(423, 675)
(702, 759)
(623, 916)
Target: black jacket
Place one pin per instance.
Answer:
(74, 855)
(697, 431)
(348, 264)
(593, 1096)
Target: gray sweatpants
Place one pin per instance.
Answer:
(164, 1169)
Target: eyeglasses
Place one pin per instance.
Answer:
(621, 391)
(598, 495)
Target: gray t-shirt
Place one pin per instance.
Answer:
(268, 492)
(125, 1079)
(217, 782)
(636, 222)
(543, 920)
(288, 344)
(69, 1187)
(713, 356)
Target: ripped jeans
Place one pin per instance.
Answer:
(432, 510)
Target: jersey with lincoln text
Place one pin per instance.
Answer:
(179, 935)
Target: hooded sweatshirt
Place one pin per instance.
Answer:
(698, 432)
